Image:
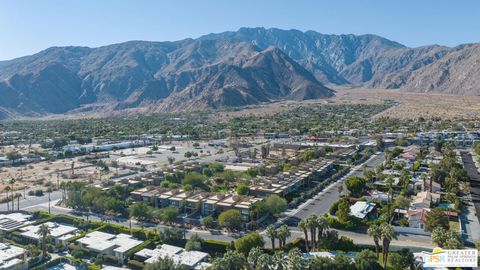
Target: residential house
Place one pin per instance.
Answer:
(362, 209)
(417, 217)
(12, 257)
(109, 244)
(190, 259)
(59, 233)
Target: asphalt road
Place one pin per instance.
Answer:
(321, 203)
(474, 176)
(31, 202)
(471, 214)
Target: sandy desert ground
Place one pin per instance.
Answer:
(409, 104)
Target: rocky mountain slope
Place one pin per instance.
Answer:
(248, 66)
(190, 74)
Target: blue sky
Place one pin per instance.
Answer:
(29, 26)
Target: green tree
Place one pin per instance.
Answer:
(367, 260)
(275, 204)
(436, 218)
(242, 189)
(195, 180)
(216, 167)
(139, 210)
(446, 238)
(44, 233)
(343, 211)
(283, 232)
(208, 222)
(249, 241)
(295, 260)
(230, 261)
(78, 252)
(171, 235)
(404, 259)
(355, 185)
(169, 214)
(194, 243)
(230, 219)
(388, 234)
(375, 232)
(253, 257)
(303, 226)
(99, 260)
(271, 232)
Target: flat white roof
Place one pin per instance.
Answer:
(57, 231)
(9, 255)
(177, 254)
(12, 221)
(361, 209)
(100, 242)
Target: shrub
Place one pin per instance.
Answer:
(135, 265)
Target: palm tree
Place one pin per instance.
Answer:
(388, 234)
(302, 225)
(295, 260)
(272, 234)
(282, 234)
(279, 261)
(375, 232)
(44, 232)
(312, 225)
(253, 256)
(232, 260)
(264, 261)
(322, 227)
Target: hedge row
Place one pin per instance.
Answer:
(213, 246)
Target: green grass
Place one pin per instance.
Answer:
(454, 226)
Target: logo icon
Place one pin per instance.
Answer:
(448, 258)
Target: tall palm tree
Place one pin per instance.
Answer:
(302, 225)
(312, 225)
(388, 234)
(282, 234)
(375, 232)
(322, 227)
(44, 232)
(272, 234)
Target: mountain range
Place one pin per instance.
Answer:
(248, 66)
